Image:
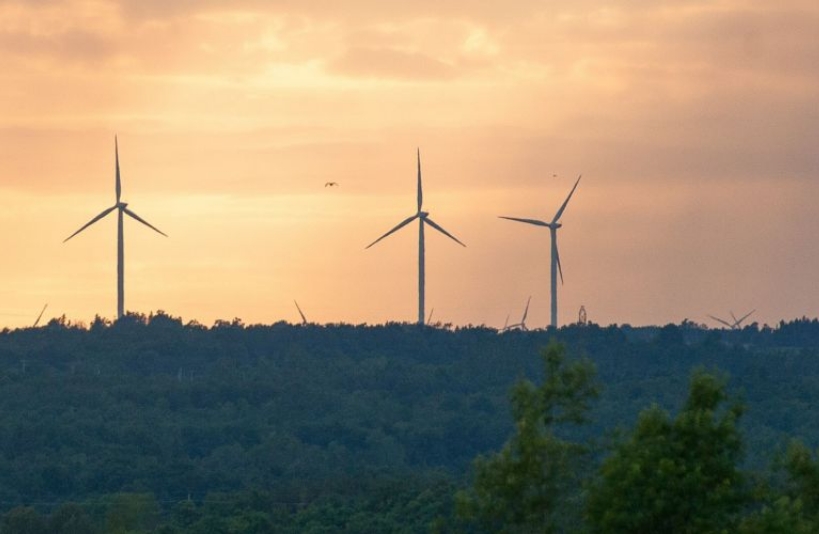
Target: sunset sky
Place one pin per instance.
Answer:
(695, 125)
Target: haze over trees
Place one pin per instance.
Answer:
(149, 424)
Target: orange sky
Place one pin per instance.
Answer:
(695, 125)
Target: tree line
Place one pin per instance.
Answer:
(147, 423)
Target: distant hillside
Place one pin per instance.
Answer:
(151, 405)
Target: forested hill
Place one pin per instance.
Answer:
(151, 405)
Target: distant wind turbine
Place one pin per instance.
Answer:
(40, 316)
(737, 322)
(423, 218)
(555, 262)
(303, 318)
(522, 324)
(122, 208)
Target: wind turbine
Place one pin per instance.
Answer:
(737, 322)
(423, 218)
(522, 324)
(303, 318)
(40, 316)
(122, 209)
(555, 262)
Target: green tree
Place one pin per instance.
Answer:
(132, 513)
(23, 520)
(803, 473)
(675, 476)
(793, 509)
(783, 516)
(71, 518)
(530, 484)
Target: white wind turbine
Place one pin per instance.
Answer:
(555, 261)
(423, 218)
(122, 208)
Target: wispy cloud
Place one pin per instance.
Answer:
(682, 116)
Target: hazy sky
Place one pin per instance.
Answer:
(695, 125)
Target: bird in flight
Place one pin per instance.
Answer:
(331, 184)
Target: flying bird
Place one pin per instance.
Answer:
(331, 184)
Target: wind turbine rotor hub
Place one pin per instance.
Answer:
(122, 205)
(423, 214)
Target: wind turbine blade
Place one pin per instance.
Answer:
(527, 221)
(143, 221)
(432, 223)
(559, 266)
(420, 191)
(40, 316)
(726, 323)
(526, 311)
(398, 227)
(744, 317)
(92, 221)
(303, 318)
(566, 202)
(116, 157)
(734, 317)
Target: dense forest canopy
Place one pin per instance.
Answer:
(182, 412)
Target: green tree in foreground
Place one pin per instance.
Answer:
(132, 513)
(794, 509)
(528, 486)
(675, 475)
(71, 518)
(23, 520)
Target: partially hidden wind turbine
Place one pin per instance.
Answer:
(737, 322)
(522, 324)
(303, 318)
(40, 316)
(122, 208)
(423, 218)
(555, 261)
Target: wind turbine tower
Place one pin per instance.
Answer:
(423, 218)
(555, 260)
(122, 209)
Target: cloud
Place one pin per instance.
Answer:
(357, 11)
(72, 46)
(390, 63)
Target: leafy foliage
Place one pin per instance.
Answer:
(677, 475)
(523, 487)
(239, 427)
